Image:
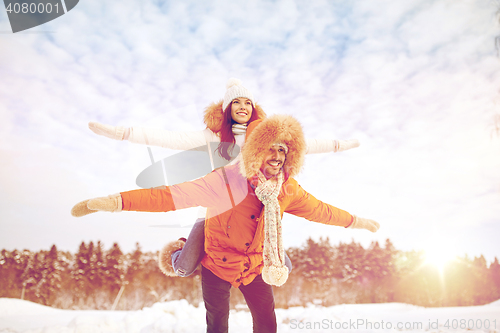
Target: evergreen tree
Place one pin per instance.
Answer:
(459, 280)
(96, 274)
(11, 270)
(50, 276)
(494, 274)
(409, 288)
(135, 265)
(482, 285)
(115, 269)
(317, 260)
(28, 277)
(349, 261)
(390, 257)
(80, 273)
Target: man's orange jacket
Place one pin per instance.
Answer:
(233, 226)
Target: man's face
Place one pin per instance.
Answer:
(273, 161)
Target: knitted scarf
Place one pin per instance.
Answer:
(275, 272)
(239, 128)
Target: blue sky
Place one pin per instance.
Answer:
(415, 81)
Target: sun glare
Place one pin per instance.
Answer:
(438, 259)
(439, 254)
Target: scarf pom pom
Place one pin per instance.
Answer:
(275, 275)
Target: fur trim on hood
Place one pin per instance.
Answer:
(165, 256)
(214, 115)
(262, 134)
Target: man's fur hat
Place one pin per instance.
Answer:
(214, 116)
(262, 134)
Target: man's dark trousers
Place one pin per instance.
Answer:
(258, 295)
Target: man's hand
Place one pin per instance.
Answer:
(111, 203)
(112, 132)
(362, 223)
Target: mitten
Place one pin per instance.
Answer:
(81, 209)
(347, 144)
(362, 223)
(111, 203)
(112, 132)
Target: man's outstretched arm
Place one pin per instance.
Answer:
(208, 191)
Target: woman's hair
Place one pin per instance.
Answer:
(227, 140)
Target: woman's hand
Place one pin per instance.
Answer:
(112, 132)
(348, 144)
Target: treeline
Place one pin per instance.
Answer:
(92, 278)
(324, 274)
(349, 273)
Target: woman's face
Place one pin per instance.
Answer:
(241, 110)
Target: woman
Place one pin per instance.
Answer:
(227, 123)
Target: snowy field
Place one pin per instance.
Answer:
(178, 316)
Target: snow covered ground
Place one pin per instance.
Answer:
(178, 316)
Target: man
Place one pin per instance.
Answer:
(245, 203)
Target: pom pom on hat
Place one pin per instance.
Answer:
(234, 90)
(233, 82)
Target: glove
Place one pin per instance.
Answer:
(361, 223)
(347, 144)
(112, 132)
(111, 203)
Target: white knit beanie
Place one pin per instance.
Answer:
(234, 90)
